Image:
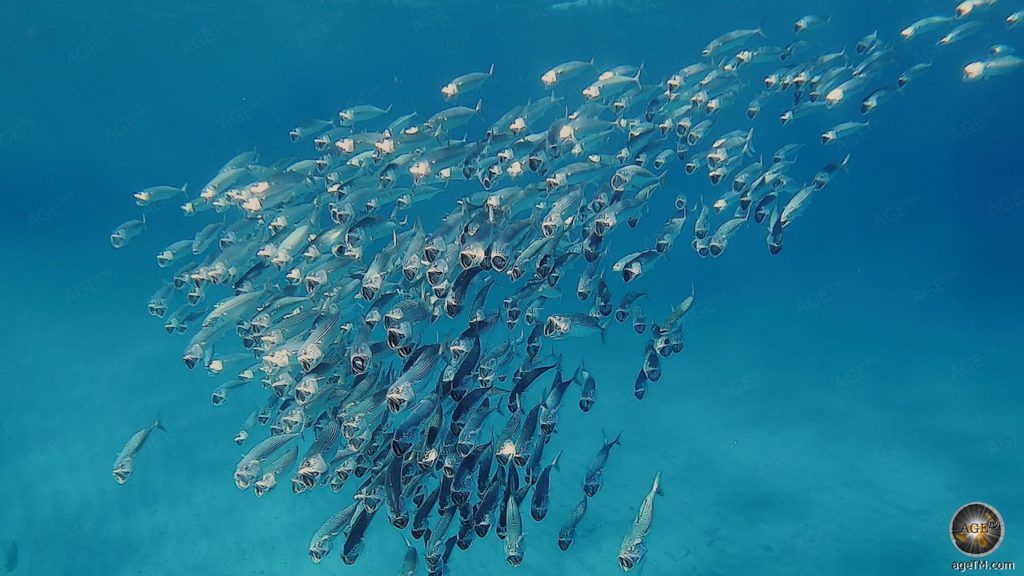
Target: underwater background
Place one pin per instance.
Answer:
(834, 405)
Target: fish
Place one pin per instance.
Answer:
(466, 83)
(842, 130)
(565, 71)
(124, 465)
(275, 468)
(541, 491)
(730, 41)
(567, 534)
(924, 25)
(594, 477)
(867, 43)
(996, 66)
(514, 535)
(809, 23)
(633, 549)
(155, 194)
(962, 31)
(576, 325)
(588, 393)
(968, 7)
(360, 114)
(123, 234)
(323, 539)
(871, 101)
(409, 560)
(911, 72)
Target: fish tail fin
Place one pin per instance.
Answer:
(760, 29)
(184, 189)
(554, 463)
(592, 60)
(388, 109)
(490, 71)
(844, 163)
(657, 484)
(158, 424)
(604, 334)
(639, 71)
(479, 105)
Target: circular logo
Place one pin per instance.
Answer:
(976, 529)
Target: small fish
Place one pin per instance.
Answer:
(153, 194)
(997, 66)
(541, 495)
(125, 232)
(514, 532)
(843, 130)
(871, 101)
(914, 70)
(359, 114)
(867, 43)
(957, 34)
(125, 463)
(466, 83)
(577, 325)
(968, 7)
(409, 561)
(588, 395)
(924, 25)
(567, 535)
(309, 127)
(565, 71)
(809, 23)
(633, 549)
(595, 470)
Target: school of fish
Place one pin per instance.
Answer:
(420, 364)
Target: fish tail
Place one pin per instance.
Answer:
(159, 425)
(657, 485)
(490, 71)
(617, 441)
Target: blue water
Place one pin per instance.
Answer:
(834, 404)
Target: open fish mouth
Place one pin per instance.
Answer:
(395, 404)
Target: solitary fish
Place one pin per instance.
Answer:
(125, 463)
(122, 234)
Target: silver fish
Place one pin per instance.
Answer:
(124, 465)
